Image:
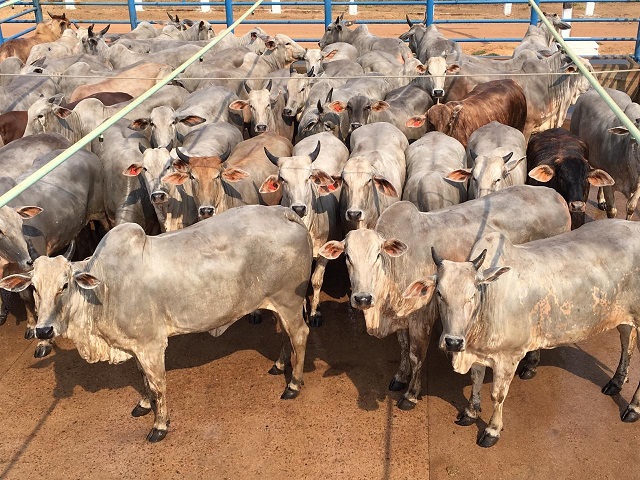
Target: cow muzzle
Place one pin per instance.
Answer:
(354, 215)
(158, 197)
(362, 300)
(287, 112)
(355, 125)
(206, 212)
(577, 207)
(453, 343)
(438, 93)
(44, 333)
(301, 210)
(261, 128)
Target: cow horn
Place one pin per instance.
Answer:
(409, 20)
(269, 85)
(477, 262)
(90, 30)
(33, 253)
(329, 95)
(104, 30)
(315, 153)
(70, 251)
(473, 155)
(182, 156)
(311, 73)
(226, 153)
(320, 110)
(271, 156)
(436, 259)
(247, 87)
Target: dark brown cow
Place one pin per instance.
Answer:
(107, 99)
(499, 100)
(558, 159)
(48, 31)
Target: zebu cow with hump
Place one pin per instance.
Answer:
(513, 298)
(45, 32)
(307, 182)
(429, 161)
(219, 185)
(384, 261)
(427, 42)
(498, 100)
(103, 311)
(560, 160)
(496, 155)
(373, 177)
(611, 147)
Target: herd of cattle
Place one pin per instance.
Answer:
(425, 166)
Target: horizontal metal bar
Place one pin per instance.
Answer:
(17, 15)
(18, 35)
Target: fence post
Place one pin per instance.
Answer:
(429, 12)
(589, 9)
(327, 13)
(228, 12)
(69, 4)
(277, 9)
(133, 16)
(205, 8)
(38, 12)
(534, 15)
(636, 52)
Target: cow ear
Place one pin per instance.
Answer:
(416, 121)
(133, 170)
(28, 212)
(86, 281)
(489, 275)
(452, 69)
(270, 185)
(321, 178)
(542, 173)
(459, 175)
(337, 106)
(241, 107)
(175, 178)
(191, 120)
(456, 110)
(619, 130)
(394, 247)
(421, 288)
(600, 178)
(61, 112)
(337, 183)
(330, 55)
(331, 250)
(16, 283)
(421, 69)
(384, 186)
(512, 163)
(234, 174)
(139, 124)
(379, 106)
(181, 166)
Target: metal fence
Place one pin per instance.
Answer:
(32, 14)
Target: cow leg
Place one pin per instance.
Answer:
(529, 365)
(152, 364)
(315, 318)
(400, 380)
(29, 303)
(297, 330)
(633, 201)
(5, 305)
(469, 415)
(503, 372)
(609, 201)
(628, 339)
(143, 407)
(284, 359)
(602, 204)
(632, 413)
(418, 344)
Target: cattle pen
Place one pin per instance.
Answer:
(65, 418)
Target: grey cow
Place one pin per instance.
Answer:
(384, 261)
(429, 161)
(558, 291)
(611, 147)
(114, 317)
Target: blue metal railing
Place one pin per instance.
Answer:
(327, 7)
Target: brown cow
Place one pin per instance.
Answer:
(48, 31)
(499, 100)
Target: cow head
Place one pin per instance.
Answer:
(45, 115)
(459, 289)
(437, 69)
(414, 35)
(298, 87)
(53, 280)
(93, 41)
(14, 246)
(488, 173)
(336, 32)
(155, 164)
(281, 51)
(58, 23)
(207, 176)
(357, 108)
(259, 109)
(313, 59)
(362, 187)
(162, 123)
(443, 117)
(367, 256)
(300, 182)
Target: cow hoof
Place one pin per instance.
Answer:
(602, 206)
(30, 333)
(155, 435)
(274, 370)
(289, 394)
(405, 404)
(397, 385)
(630, 415)
(612, 213)
(611, 388)
(3, 317)
(487, 440)
(255, 318)
(315, 320)
(527, 373)
(465, 420)
(140, 411)
(42, 351)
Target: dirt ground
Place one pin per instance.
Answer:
(63, 418)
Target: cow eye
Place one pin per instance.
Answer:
(368, 107)
(41, 116)
(287, 44)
